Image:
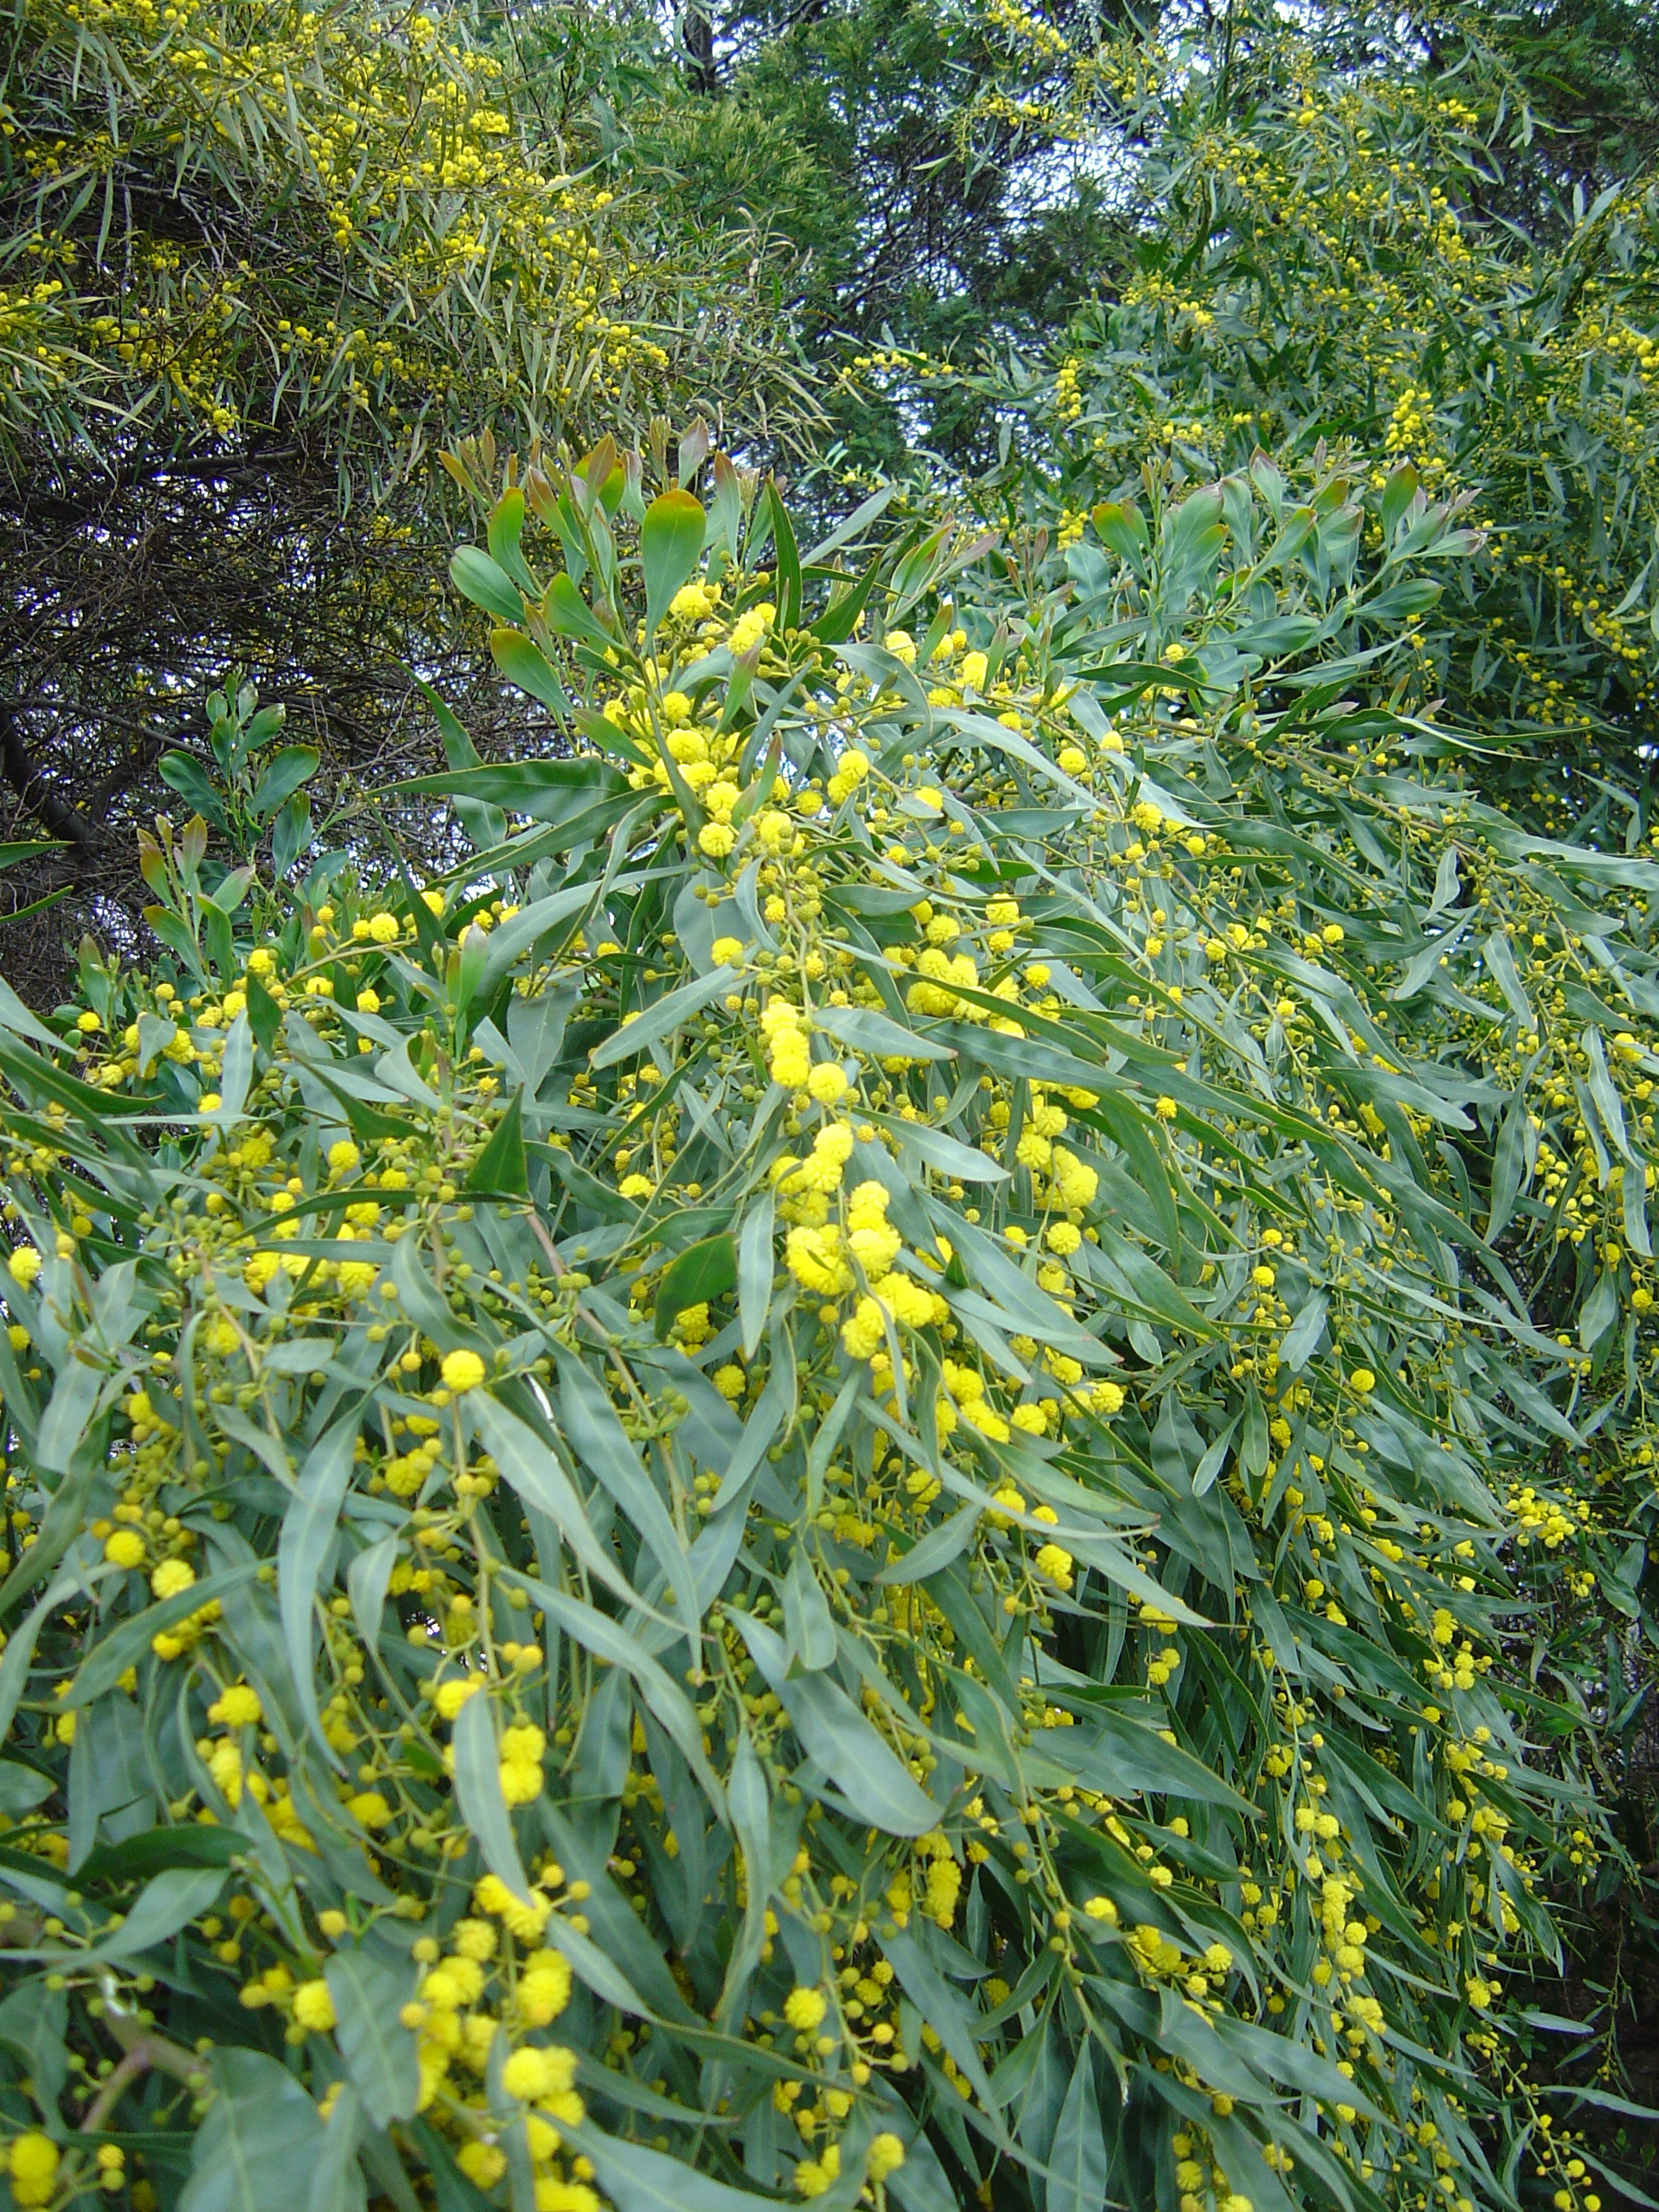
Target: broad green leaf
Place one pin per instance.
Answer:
(283, 774)
(368, 1995)
(308, 1530)
(500, 1166)
(533, 1469)
(670, 546)
(477, 578)
(256, 2149)
(166, 1903)
(880, 1789)
(1078, 2162)
(660, 1020)
(596, 1434)
(478, 1792)
(522, 662)
(705, 1271)
(755, 1272)
(637, 2179)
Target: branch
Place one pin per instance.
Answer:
(23, 775)
(142, 2049)
(89, 501)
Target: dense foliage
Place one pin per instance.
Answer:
(826, 1373)
(888, 1460)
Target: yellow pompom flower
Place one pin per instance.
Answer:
(887, 2155)
(236, 1707)
(313, 2007)
(125, 1548)
(25, 1264)
(483, 2163)
(804, 2008)
(33, 2165)
(462, 1370)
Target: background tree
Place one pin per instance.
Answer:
(259, 263)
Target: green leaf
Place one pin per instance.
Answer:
(660, 1018)
(564, 611)
(264, 1016)
(379, 2050)
(862, 1029)
(860, 1764)
(754, 1271)
(500, 1167)
(934, 1551)
(153, 1850)
(180, 773)
(308, 1527)
(788, 558)
(1122, 526)
(1123, 1757)
(284, 773)
(704, 1272)
(478, 1792)
(255, 2148)
(610, 1641)
(596, 1433)
(533, 1468)
(336, 2177)
(168, 1901)
(671, 546)
(503, 531)
(1078, 2162)
(14, 852)
(124, 1646)
(480, 579)
(522, 662)
(639, 2179)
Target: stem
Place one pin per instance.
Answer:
(142, 2049)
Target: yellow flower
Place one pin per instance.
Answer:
(483, 2163)
(172, 1577)
(462, 1370)
(887, 2155)
(125, 1548)
(313, 2007)
(33, 2167)
(804, 2008)
(449, 1697)
(26, 1265)
(1055, 1565)
(236, 1707)
(1363, 1380)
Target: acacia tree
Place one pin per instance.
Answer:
(837, 1475)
